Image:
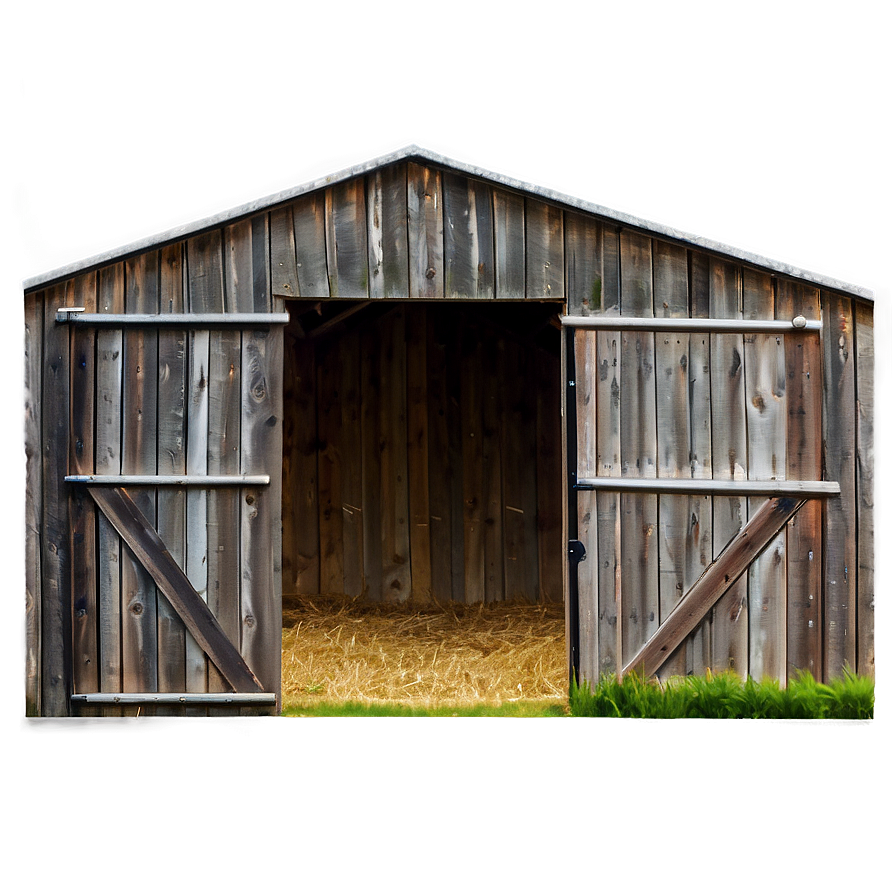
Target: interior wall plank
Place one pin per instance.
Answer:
(418, 454)
(509, 214)
(284, 271)
(609, 532)
(473, 469)
(310, 229)
(425, 232)
(699, 552)
(438, 341)
(55, 658)
(729, 460)
(551, 547)
(329, 469)
(839, 464)
(469, 238)
(803, 391)
(346, 219)
(34, 324)
(371, 462)
(638, 435)
(395, 532)
(864, 355)
(387, 232)
(172, 460)
(350, 464)
(301, 541)
(671, 300)
(544, 250)
(766, 406)
(82, 511)
(107, 453)
(492, 460)
(139, 617)
(584, 285)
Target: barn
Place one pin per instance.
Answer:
(417, 381)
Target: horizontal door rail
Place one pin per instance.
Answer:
(689, 324)
(179, 321)
(168, 699)
(198, 481)
(770, 487)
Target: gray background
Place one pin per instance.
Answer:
(765, 125)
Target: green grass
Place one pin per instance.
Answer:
(725, 696)
(521, 709)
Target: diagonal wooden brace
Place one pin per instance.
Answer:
(717, 578)
(140, 536)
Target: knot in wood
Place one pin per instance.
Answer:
(430, 273)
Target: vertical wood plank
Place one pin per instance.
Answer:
(671, 300)
(583, 264)
(205, 266)
(82, 512)
(544, 251)
(309, 228)
(261, 442)
(469, 238)
(803, 392)
(864, 355)
(729, 460)
(839, 464)
(589, 522)
(550, 484)
(329, 469)
(387, 232)
(473, 471)
(765, 384)
(107, 453)
(34, 324)
(371, 461)
(284, 273)
(440, 472)
(301, 551)
(346, 218)
(350, 465)
(139, 427)
(510, 244)
(699, 550)
(609, 522)
(395, 533)
(425, 232)
(492, 461)
(638, 438)
(172, 460)
(454, 454)
(418, 454)
(56, 580)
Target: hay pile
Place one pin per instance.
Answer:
(338, 649)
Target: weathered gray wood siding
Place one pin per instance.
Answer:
(753, 407)
(414, 231)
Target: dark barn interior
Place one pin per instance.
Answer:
(422, 456)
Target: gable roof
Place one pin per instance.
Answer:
(417, 153)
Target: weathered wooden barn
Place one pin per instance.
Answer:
(419, 381)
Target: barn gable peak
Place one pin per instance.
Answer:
(417, 154)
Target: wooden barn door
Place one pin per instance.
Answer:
(174, 493)
(678, 485)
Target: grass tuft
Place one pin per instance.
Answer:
(724, 696)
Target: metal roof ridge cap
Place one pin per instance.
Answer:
(412, 151)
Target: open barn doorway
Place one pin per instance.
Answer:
(422, 502)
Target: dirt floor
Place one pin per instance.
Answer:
(337, 649)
